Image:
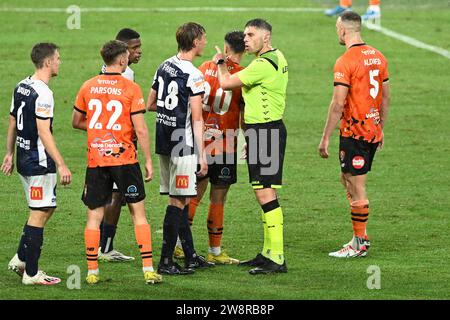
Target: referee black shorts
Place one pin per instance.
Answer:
(266, 146)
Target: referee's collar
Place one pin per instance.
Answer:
(271, 50)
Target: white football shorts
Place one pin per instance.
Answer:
(177, 175)
(40, 190)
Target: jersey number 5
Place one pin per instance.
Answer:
(97, 105)
(374, 83)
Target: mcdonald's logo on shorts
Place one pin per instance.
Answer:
(36, 193)
(181, 182)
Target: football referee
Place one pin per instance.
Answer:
(263, 84)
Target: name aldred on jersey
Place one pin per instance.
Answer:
(372, 61)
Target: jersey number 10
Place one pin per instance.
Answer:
(218, 98)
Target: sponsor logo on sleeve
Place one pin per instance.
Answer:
(338, 75)
(198, 83)
(43, 109)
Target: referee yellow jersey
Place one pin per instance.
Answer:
(264, 92)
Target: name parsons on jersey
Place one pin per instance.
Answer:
(106, 90)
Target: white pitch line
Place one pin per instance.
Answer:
(411, 41)
(175, 9)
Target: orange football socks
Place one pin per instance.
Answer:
(215, 224)
(92, 240)
(144, 241)
(360, 215)
(193, 204)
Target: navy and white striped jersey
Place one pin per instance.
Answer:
(32, 99)
(175, 81)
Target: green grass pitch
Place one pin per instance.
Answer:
(409, 187)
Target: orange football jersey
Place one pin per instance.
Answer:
(221, 110)
(109, 101)
(363, 70)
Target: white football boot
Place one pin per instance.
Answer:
(349, 252)
(113, 256)
(16, 265)
(40, 278)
